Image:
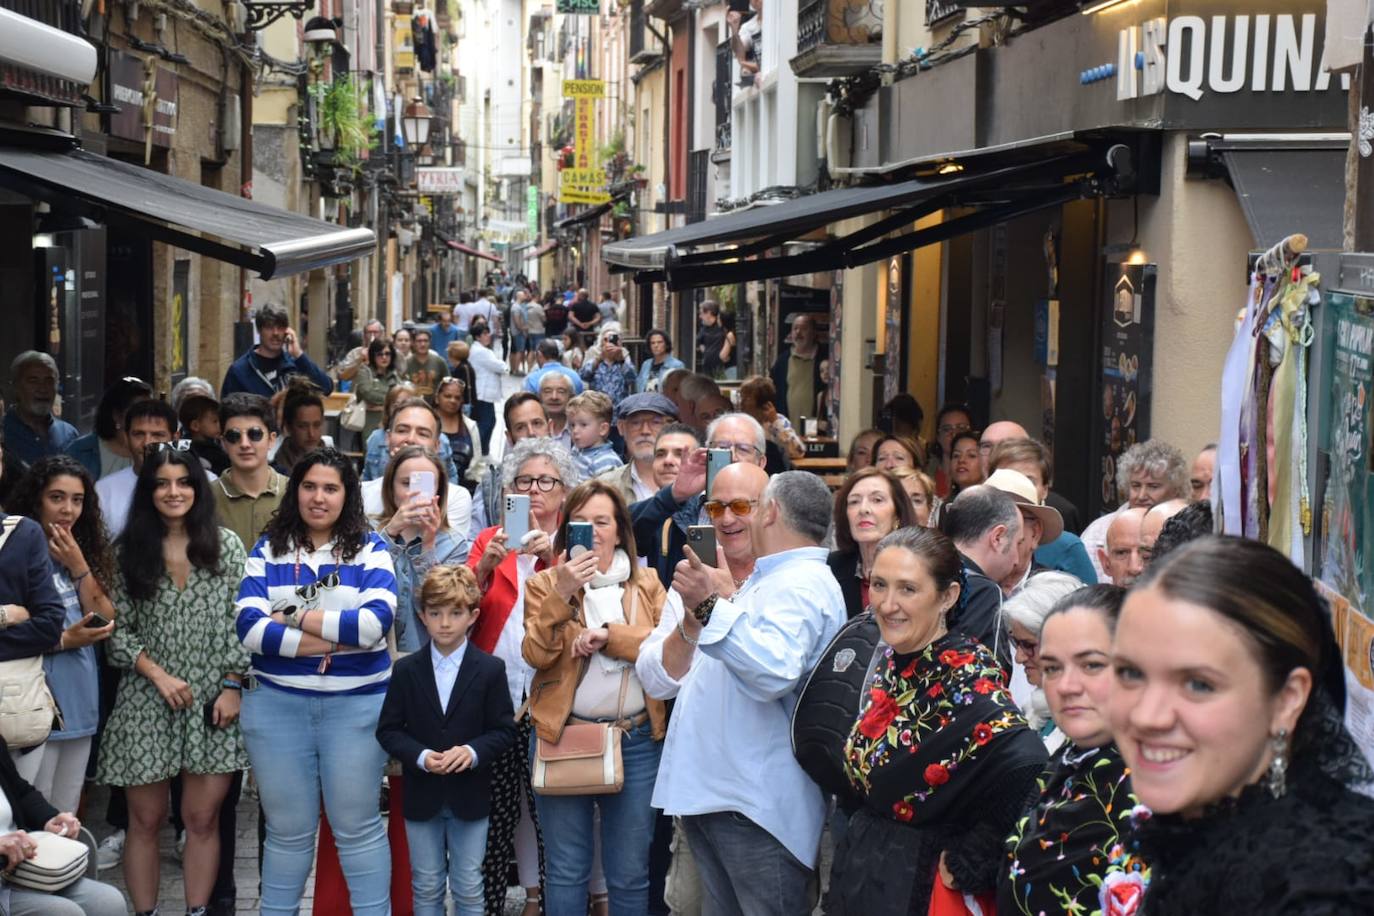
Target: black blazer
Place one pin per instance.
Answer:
(31, 809)
(844, 564)
(479, 715)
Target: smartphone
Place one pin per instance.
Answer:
(96, 622)
(702, 540)
(717, 459)
(424, 483)
(516, 520)
(210, 713)
(739, 6)
(579, 539)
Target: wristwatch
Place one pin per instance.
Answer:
(294, 616)
(702, 612)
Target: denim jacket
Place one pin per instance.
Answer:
(412, 564)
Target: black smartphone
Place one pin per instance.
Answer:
(210, 714)
(739, 6)
(580, 536)
(702, 540)
(96, 622)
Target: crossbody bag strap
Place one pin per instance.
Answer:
(625, 673)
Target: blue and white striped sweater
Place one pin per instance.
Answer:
(358, 615)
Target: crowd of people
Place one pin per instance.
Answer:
(545, 636)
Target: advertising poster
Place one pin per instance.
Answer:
(1355, 634)
(1347, 516)
(1128, 330)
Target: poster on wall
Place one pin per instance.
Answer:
(1347, 516)
(892, 320)
(180, 319)
(1128, 325)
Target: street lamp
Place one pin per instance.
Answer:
(415, 122)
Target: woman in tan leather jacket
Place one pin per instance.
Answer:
(584, 622)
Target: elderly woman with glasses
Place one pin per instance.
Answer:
(542, 470)
(1025, 614)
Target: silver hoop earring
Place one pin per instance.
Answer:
(1278, 765)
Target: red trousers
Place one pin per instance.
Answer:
(331, 893)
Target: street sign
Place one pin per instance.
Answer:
(579, 7)
(583, 178)
(589, 89)
(573, 195)
(439, 180)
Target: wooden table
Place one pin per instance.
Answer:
(831, 470)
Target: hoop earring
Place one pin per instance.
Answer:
(1278, 766)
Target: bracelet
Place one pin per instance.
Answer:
(230, 684)
(683, 633)
(76, 580)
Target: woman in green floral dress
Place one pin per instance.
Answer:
(1070, 854)
(940, 756)
(177, 707)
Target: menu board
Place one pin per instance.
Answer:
(1123, 415)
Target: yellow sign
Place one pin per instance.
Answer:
(584, 89)
(583, 141)
(584, 178)
(572, 195)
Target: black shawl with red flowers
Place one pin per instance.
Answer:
(932, 722)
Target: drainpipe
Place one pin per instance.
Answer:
(243, 328)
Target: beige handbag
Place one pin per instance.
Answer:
(354, 415)
(585, 760)
(58, 863)
(27, 707)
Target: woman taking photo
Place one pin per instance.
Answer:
(544, 471)
(1227, 704)
(661, 361)
(374, 381)
(1067, 855)
(59, 495)
(317, 601)
(460, 431)
(178, 571)
(939, 753)
(414, 526)
(868, 507)
(585, 620)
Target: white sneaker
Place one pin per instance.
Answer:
(110, 851)
(181, 845)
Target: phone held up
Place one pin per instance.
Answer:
(423, 483)
(702, 540)
(717, 459)
(579, 539)
(516, 519)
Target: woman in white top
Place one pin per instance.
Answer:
(489, 368)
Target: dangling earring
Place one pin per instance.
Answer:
(1278, 766)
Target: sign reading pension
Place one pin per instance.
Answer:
(579, 7)
(589, 89)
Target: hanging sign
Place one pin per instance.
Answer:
(439, 180)
(579, 7)
(585, 182)
(1125, 380)
(589, 89)
(130, 87)
(532, 212)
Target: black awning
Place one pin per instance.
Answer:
(1288, 185)
(684, 256)
(586, 216)
(265, 239)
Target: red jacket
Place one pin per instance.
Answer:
(498, 598)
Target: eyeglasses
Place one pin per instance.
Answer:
(254, 434)
(953, 428)
(1028, 646)
(525, 483)
(715, 508)
(179, 445)
(740, 449)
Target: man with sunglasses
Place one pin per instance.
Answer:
(250, 491)
(146, 423)
(661, 522)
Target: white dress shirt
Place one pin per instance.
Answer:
(729, 743)
(445, 676)
(459, 507)
(643, 489)
(488, 367)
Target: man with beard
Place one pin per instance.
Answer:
(31, 430)
(640, 418)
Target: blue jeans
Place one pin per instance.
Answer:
(744, 869)
(302, 747)
(627, 830)
(446, 847)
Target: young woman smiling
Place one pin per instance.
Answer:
(1068, 854)
(1228, 707)
(178, 573)
(317, 600)
(869, 506)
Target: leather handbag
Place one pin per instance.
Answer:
(354, 415)
(58, 863)
(27, 707)
(586, 759)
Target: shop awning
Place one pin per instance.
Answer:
(586, 216)
(547, 248)
(734, 248)
(472, 252)
(1287, 184)
(265, 239)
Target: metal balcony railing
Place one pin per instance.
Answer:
(811, 15)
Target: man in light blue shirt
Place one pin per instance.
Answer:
(735, 661)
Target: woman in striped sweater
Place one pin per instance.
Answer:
(317, 600)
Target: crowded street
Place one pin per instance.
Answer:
(686, 458)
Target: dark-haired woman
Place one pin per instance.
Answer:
(59, 495)
(868, 507)
(939, 754)
(317, 601)
(1069, 854)
(374, 379)
(178, 571)
(106, 450)
(661, 361)
(1228, 706)
(460, 431)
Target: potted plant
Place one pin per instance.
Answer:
(342, 126)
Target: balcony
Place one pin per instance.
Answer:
(643, 49)
(833, 39)
(64, 82)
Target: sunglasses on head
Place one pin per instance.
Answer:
(254, 434)
(741, 507)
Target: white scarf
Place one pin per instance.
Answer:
(602, 601)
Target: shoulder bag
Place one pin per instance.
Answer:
(58, 863)
(27, 707)
(585, 760)
(354, 415)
